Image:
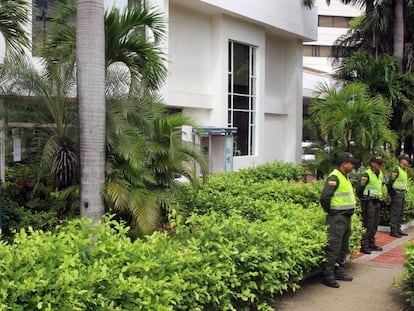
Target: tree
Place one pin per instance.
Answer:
(90, 65)
(127, 41)
(13, 17)
(145, 153)
(52, 113)
(351, 120)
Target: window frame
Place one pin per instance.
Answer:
(250, 111)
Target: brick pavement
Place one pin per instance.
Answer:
(371, 290)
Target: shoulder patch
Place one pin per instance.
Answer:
(364, 180)
(394, 174)
(332, 183)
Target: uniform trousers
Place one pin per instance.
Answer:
(397, 209)
(339, 231)
(370, 221)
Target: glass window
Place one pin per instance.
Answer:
(316, 50)
(242, 96)
(333, 21)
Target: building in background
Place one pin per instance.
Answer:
(333, 21)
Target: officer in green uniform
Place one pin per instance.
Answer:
(397, 187)
(369, 191)
(338, 201)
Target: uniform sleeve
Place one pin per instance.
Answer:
(393, 177)
(362, 182)
(331, 184)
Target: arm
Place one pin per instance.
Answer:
(393, 177)
(363, 181)
(331, 184)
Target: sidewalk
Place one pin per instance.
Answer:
(371, 289)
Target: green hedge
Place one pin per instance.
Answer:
(407, 279)
(210, 263)
(241, 241)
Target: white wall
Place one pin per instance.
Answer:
(189, 59)
(197, 61)
(286, 15)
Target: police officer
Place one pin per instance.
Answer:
(369, 191)
(338, 201)
(397, 187)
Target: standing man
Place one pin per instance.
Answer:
(369, 191)
(338, 201)
(397, 187)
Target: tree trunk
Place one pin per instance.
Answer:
(90, 62)
(399, 30)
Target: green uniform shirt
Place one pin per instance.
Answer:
(370, 185)
(332, 184)
(398, 179)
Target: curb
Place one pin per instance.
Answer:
(403, 226)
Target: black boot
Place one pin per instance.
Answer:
(365, 250)
(343, 277)
(330, 282)
(375, 248)
(395, 234)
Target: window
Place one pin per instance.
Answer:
(316, 50)
(333, 21)
(242, 96)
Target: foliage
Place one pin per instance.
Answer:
(13, 19)
(211, 263)
(54, 128)
(253, 195)
(381, 75)
(272, 235)
(145, 154)
(407, 279)
(351, 120)
(275, 170)
(132, 38)
(28, 202)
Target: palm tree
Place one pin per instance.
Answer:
(13, 19)
(382, 76)
(127, 41)
(350, 119)
(90, 68)
(54, 119)
(145, 154)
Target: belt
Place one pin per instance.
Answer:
(400, 190)
(370, 198)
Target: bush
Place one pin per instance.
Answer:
(29, 202)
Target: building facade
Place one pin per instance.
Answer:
(333, 22)
(236, 67)
(238, 64)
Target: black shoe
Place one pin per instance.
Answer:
(402, 233)
(344, 277)
(395, 235)
(376, 248)
(330, 282)
(365, 250)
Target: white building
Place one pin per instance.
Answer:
(237, 64)
(333, 21)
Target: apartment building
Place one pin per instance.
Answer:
(333, 21)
